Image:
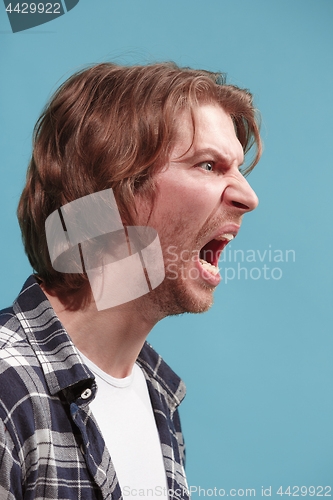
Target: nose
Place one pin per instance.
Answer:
(239, 194)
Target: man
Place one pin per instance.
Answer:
(169, 144)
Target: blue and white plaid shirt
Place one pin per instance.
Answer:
(50, 445)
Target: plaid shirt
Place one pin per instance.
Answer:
(50, 444)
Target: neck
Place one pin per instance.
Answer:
(112, 338)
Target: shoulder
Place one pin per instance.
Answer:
(18, 362)
(22, 390)
(21, 379)
(22, 382)
(10, 327)
(16, 355)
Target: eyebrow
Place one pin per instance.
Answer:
(205, 154)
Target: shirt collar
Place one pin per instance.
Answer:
(59, 359)
(158, 370)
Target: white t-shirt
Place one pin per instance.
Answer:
(123, 411)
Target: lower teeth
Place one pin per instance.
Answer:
(209, 267)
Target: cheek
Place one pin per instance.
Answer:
(187, 196)
(197, 202)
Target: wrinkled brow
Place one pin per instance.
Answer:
(209, 154)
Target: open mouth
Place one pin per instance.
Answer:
(209, 254)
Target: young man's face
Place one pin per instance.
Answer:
(200, 200)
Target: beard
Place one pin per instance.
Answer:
(182, 290)
(175, 296)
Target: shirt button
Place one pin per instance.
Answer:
(86, 394)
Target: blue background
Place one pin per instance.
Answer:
(258, 366)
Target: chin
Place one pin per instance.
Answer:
(194, 305)
(175, 297)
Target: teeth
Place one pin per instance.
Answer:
(225, 236)
(209, 267)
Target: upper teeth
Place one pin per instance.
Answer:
(225, 236)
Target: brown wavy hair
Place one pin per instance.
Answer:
(113, 126)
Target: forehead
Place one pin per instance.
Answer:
(210, 128)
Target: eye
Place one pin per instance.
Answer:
(207, 165)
